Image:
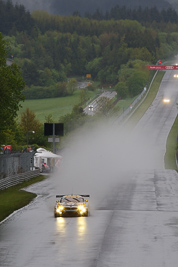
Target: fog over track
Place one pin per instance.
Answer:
(134, 200)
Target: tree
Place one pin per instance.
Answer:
(94, 66)
(136, 82)
(71, 86)
(104, 104)
(61, 88)
(141, 53)
(121, 89)
(73, 120)
(30, 73)
(78, 110)
(83, 95)
(49, 118)
(11, 87)
(124, 73)
(29, 124)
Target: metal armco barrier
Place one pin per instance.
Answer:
(18, 178)
(127, 113)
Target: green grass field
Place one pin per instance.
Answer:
(13, 198)
(57, 107)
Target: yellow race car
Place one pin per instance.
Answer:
(71, 205)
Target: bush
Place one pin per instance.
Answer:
(39, 92)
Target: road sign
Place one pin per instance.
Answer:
(88, 75)
(162, 67)
(53, 129)
(56, 140)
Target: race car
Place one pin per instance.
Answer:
(90, 107)
(71, 205)
(166, 100)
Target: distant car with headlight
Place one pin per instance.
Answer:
(175, 75)
(166, 100)
(90, 107)
(71, 205)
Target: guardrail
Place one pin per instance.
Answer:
(18, 178)
(127, 113)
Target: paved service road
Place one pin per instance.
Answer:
(134, 201)
(93, 107)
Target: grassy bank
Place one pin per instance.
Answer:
(170, 162)
(13, 198)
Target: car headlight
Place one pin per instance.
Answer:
(60, 208)
(82, 208)
(166, 100)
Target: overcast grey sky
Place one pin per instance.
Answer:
(34, 4)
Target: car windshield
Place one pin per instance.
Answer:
(72, 199)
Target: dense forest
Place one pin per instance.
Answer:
(14, 18)
(82, 46)
(143, 15)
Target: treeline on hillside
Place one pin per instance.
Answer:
(147, 15)
(62, 47)
(67, 7)
(14, 18)
(53, 56)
